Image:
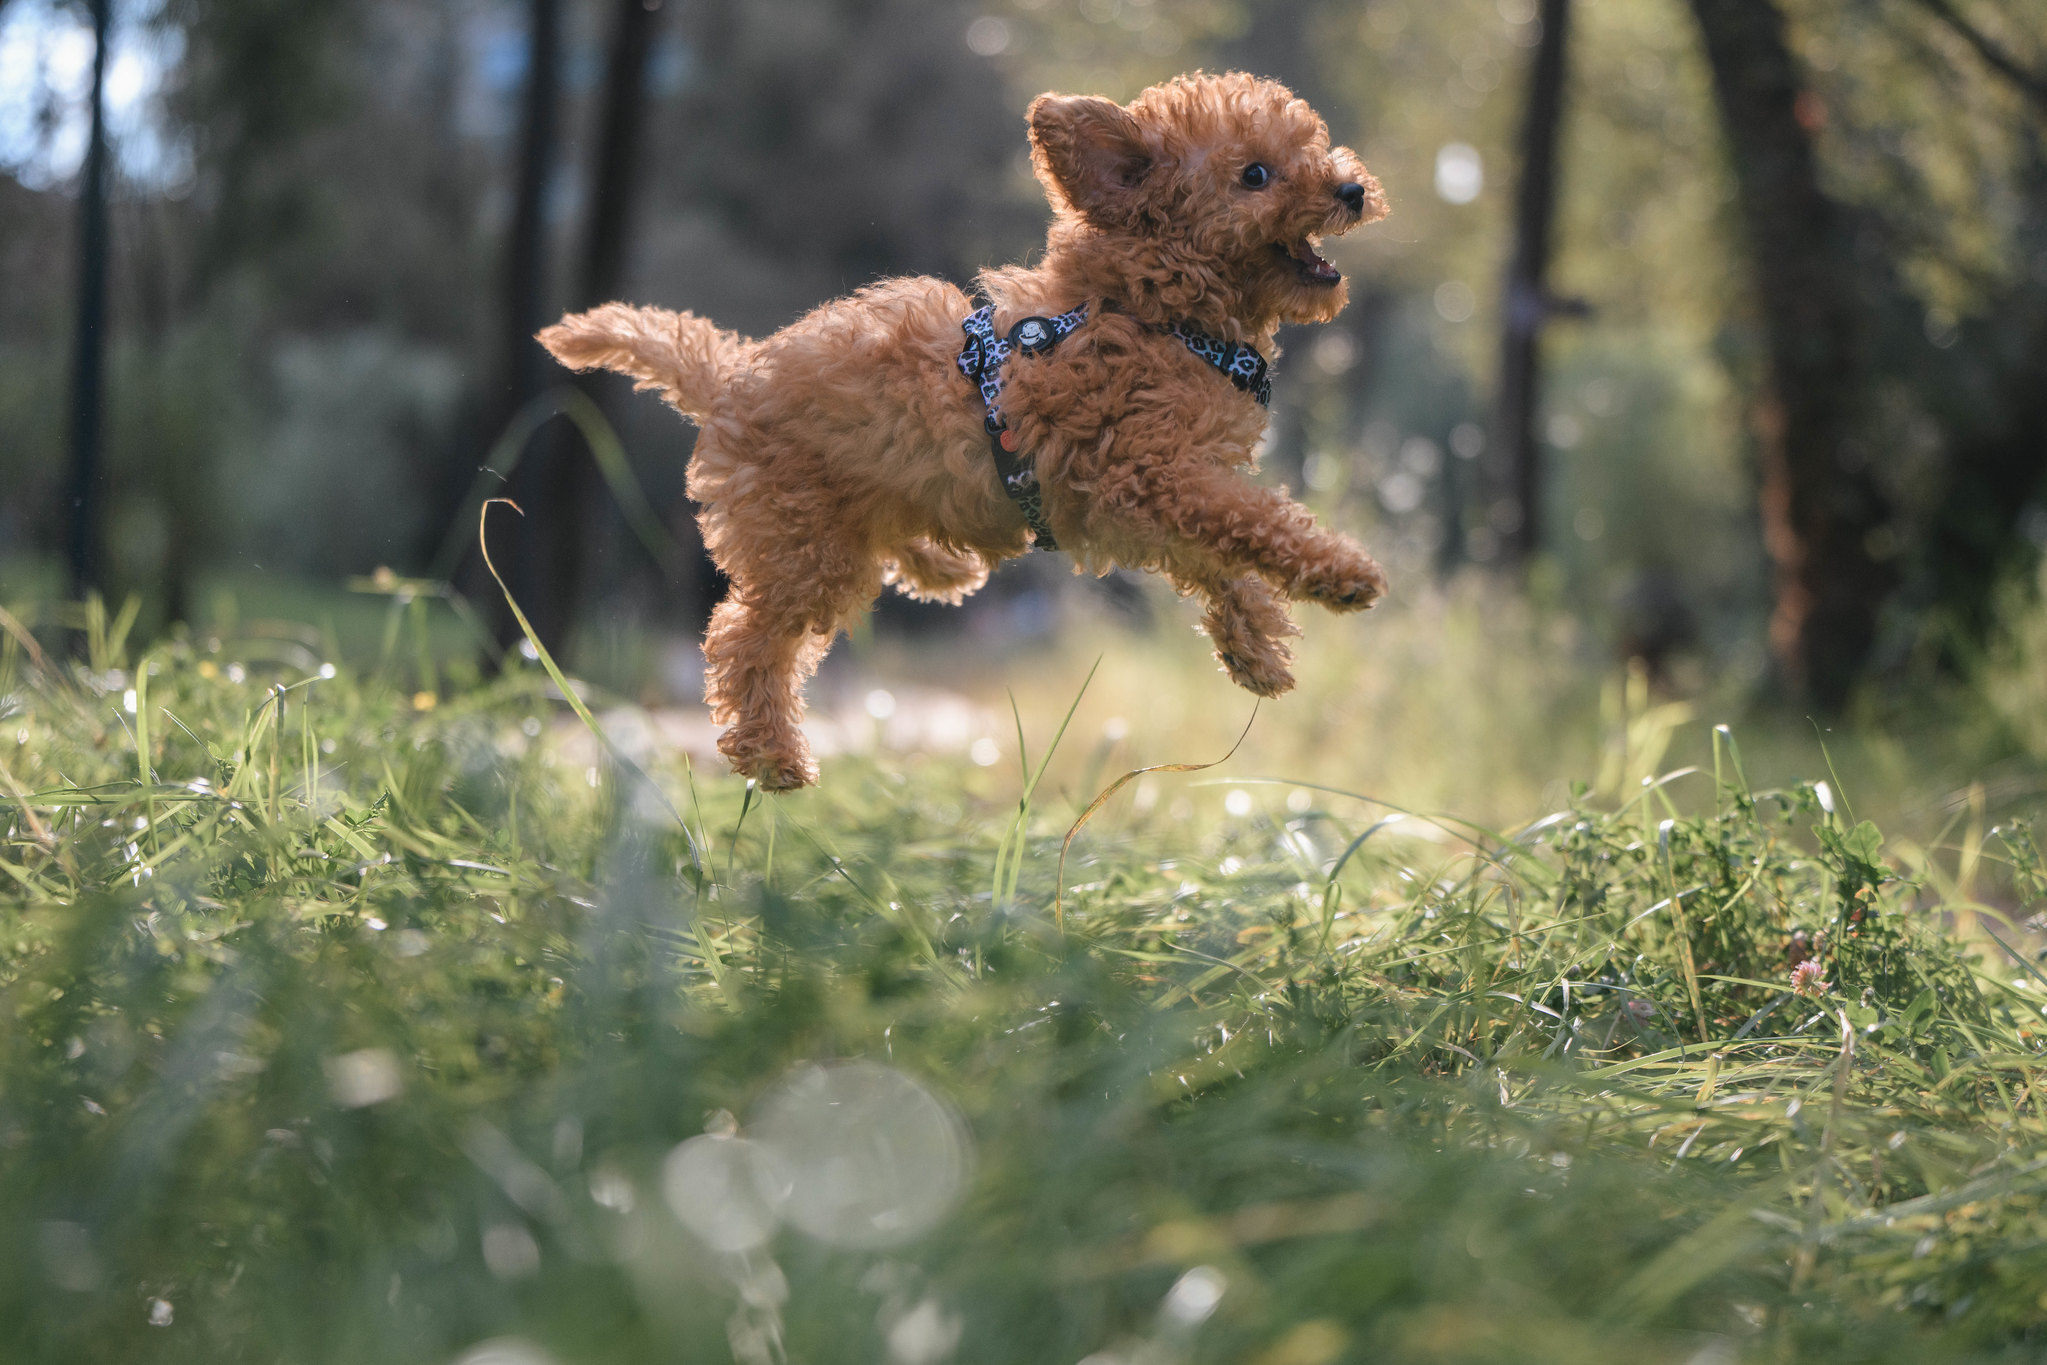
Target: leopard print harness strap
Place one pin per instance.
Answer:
(981, 362)
(1239, 360)
(987, 351)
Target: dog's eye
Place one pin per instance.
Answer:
(1256, 176)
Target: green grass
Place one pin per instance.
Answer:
(342, 1027)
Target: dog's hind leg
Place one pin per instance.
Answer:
(1250, 625)
(927, 572)
(765, 640)
(754, 667)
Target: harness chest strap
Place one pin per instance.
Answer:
(986, 351)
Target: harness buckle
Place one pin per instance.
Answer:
(1033, 334)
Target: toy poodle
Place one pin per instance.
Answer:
(1106, 401)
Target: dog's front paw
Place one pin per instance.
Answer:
(1349, 581)
(1260, 677)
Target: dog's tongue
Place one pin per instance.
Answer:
(1317, 267)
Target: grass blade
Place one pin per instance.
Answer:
(568, 691)
(1059, 882)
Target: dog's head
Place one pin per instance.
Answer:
(1208, 194)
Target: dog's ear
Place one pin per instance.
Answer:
(1090, 153)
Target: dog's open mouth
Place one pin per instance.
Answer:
(1312, 268)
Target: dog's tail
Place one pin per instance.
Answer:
(684, 356)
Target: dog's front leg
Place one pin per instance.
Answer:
(1250, 625)
(1249, 529)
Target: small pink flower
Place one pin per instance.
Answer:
(1805, 979)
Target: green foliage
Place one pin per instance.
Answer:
(262, 76)
(349, 1022)
(314, 302)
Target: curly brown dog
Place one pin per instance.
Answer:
(847, 451)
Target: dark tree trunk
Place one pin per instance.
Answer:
(89, 354)
(521, 360)
(1517, 457)
(580, 525)
(525, 278)
(1820, 501)
(618, 152)
(557, 534)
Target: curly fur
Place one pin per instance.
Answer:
(845, 452)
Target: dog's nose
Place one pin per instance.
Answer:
(1353, 195)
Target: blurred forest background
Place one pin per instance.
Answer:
(1785, 262)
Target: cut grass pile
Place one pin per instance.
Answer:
(340, 1026)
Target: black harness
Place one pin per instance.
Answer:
(986, 352)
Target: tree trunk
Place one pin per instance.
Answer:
(557, 535)
(89, 354)
(525, 279)
(1518, 463)
(1820, 502)
(578, 526)
(521, 360)
(618, 152)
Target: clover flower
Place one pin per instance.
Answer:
(1806, 979)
